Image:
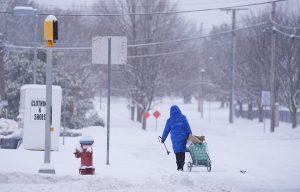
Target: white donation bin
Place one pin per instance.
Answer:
(32, 116)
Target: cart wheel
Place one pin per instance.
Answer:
(189, 166)
(209, 167)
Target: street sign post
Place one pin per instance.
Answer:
(156, 114)
(109, 50)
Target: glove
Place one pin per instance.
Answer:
(160, 139)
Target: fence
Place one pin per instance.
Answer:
(284, 116)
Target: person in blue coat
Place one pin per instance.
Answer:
(180, 130)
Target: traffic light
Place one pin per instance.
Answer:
(50, 30)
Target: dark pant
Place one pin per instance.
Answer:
(180, 157)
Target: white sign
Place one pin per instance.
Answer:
(37, 109)
(118, 50)
(265, 98)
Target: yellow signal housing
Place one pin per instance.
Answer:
(50, 30)
(48, 33)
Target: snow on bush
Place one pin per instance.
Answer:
(8, 127)
(70, 132)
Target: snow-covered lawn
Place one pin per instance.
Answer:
(139, 163)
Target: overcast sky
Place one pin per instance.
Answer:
(207, 18)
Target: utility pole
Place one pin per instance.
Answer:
(2, 83)
(36, 18)
(232, 66)
(272, 72)
(202, 93)
(147, 29)
(108, 99)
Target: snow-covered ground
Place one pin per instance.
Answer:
(139, 163)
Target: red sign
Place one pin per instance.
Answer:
(146, 115)
(156, 114)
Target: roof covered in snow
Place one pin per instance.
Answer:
(36, 86)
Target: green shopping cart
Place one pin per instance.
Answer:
(199, 156)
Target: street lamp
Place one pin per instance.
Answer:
(29, 11)
(202, 95)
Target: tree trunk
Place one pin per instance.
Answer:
(294, 118)
(199, 105)
(132, 110)
(144, 124)
(222, 103)
(187, 99)
(250, 111)
(139, 112)
(240, 108)
(260, 113)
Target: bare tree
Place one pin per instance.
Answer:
(289, 67)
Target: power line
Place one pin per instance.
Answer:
(138, 5)
(156, 13)
(194, 38)
(143, 44)
(172, 12)
(129, 57)
(44, 48)
(286, 34)
(156, 54)
(284, 26)
(87, 44)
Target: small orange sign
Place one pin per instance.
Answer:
(156, 114)
(146, 115)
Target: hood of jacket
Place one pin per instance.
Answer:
(174, 110)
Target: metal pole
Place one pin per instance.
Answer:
(209, 109)
(48, 106)
(108, 98)
(232, 69)
(2, 79)
(35, 48)
(100, 99)
(65, 109)
(46, 168)
(264, 108)
(202, 99)
(272, 73)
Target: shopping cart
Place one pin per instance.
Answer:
(199, 156)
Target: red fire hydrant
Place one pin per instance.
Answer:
(85, 152)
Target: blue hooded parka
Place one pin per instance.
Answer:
(180, 129)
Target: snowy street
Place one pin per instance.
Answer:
(138, 161)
